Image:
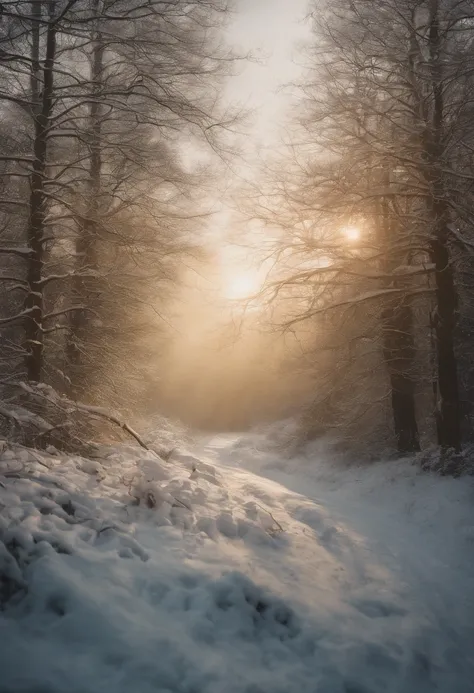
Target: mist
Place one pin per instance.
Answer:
(235, 214)
(224, 366)
(236, 346)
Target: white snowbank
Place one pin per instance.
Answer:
(193, 575)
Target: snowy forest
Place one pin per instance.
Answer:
(114, 138)
(236, 346)
(375, 211)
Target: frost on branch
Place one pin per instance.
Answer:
(37, 415)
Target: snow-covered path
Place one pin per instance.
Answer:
(230, 569)
(405, 539)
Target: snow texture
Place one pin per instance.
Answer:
(230, 568)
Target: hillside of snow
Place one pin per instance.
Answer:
(231, 568)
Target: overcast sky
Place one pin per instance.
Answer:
(271, 29)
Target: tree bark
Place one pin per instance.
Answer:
(398, 343)
(86, 242)
(399, 354)
(42, 107)
(449, 410)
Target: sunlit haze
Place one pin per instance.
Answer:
(237, 346)
(241, 285)
(351, 233)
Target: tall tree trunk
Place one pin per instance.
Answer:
(398, 344)
(85, 288)
(449, 410)
(399, 355)
(41, 97)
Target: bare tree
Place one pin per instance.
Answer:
(106, 96)
(370, 211)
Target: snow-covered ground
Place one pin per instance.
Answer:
(231, 568)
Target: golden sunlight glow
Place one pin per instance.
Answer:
(241, 286)
(351, 233)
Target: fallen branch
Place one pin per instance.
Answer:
(269, 513)
(181, 503)
(52, 397)
(102, 413)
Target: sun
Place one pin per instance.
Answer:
(351, 233)
(238, 287)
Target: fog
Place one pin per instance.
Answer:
(224, 365)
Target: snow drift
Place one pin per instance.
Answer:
(195, 575)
